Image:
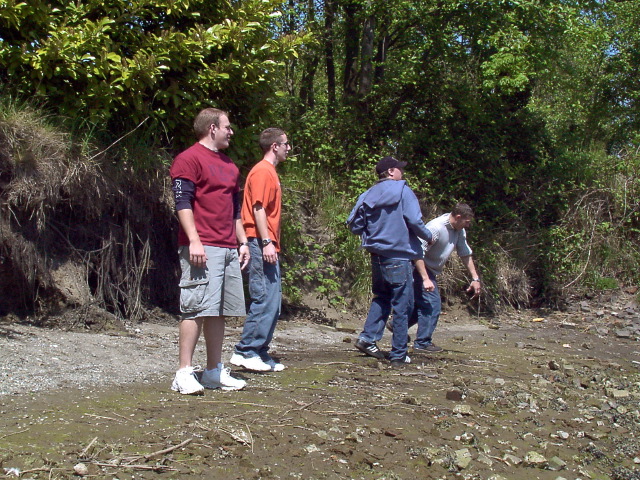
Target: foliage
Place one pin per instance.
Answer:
(597, 240)
(518, 108)
(307, 241)
(525, 109)
(118, 63)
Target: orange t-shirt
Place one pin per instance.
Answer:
(263, 187)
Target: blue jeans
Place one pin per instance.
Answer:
(392, 285)
(427, 310)
(266, 297)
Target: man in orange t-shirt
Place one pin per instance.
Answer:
(261, 209)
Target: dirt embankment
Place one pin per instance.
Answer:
(543, 396)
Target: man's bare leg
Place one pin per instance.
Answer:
(214, 338)
(189, 333)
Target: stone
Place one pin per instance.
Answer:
(553, 365)
(81, 469)
(624, 333)
(454, 394)
(534, 459)
(512, 459)
(467, 438)
(556, 463)
(615, 393)
(463, 410)
(462, 458)
(482, 458)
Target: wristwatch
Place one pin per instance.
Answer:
(475, 280)
(266, 241)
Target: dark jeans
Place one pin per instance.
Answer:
(392, 285)
(266, 297)
(426, 310)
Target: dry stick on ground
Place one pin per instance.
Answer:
(41, 469)
(156, 468)
(250, 437)
(307, 405)
(238, 438)
(167, 450)
(84, 452)
(239, 403)
(14, 433)
(102, 417)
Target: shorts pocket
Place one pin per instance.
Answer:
(193, 287)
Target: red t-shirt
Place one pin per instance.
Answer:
(217, 183)
(263, 186)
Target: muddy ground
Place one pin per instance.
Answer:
(526, 396)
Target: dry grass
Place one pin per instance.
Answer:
(57, 204)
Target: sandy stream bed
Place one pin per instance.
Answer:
(515, 398)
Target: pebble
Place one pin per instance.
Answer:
(534, 459)
(512, 459)
(623, 333)
(463, 410)
(556, 463)
(454, 394)
(462, 458)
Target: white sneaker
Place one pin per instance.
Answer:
(275, 366)
(220, 378)
(186, 383)
(252, 363)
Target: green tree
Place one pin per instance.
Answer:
(120, 62)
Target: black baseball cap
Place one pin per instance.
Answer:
(389, 162)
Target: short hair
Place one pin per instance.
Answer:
(462, 209)
(269, 136)
(206, 118)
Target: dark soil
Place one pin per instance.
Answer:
(527, 396)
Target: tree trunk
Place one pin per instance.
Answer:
(329, 15)
(350, 50)
(366, 56)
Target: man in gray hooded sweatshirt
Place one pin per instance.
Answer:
(389, 220)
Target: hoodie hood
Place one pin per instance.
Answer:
(385, 193)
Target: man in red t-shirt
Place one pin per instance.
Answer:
(205, 183)
(261, 209)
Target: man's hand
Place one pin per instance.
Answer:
(269, 253)
(197, 257)
(244, 256)
(474, 288)
(427, 284)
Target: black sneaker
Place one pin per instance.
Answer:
(400, 362)
(431, 348)
(370, 349)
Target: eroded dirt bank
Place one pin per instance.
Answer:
(515, 398)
